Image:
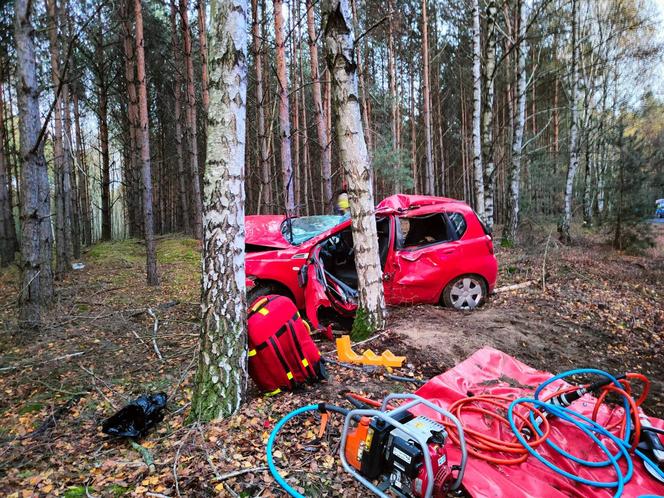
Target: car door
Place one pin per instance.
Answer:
(426, 252)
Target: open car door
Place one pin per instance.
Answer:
(324, 290)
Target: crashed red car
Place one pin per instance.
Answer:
(432, 250)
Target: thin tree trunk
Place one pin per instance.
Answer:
(86, 208)
(221, 379)
(146, 169)
(394, 103)
(429, 186)
(102, 88)
(8, 242)
(413, 133)
(478, 172)
(353, 154)
(284, 109)
(487, 119)
(564, 226)
(296, 39)
(37, 276)
(319, 116)
(264, 157)
(514, 197)
(202, 45)
(177, 91)
(192, 135)
(61, 171)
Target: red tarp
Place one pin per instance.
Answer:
(489, 371)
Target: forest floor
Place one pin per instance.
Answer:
(595, 307)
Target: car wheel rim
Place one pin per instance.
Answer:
(466, 293)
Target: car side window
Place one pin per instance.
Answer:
(422, 231)
(459, 223)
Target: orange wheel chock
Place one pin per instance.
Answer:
(387, 359)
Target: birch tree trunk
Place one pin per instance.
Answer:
(284, 109)
(221, 379)
(487, 118)
(354, 158)
(36, 273)
(478, 172)
(61, 171)
(177, 91)
(514, 196)
(146, 167)
(8, 242)
(429, 185)
(565, 222)
(192, 135)
(263, 151)
(319, 117)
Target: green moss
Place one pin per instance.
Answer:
(129, 251)
(362, 326)
(117, 490)
(75, 492)
(506, 243)
(179, 250)
(30, 408)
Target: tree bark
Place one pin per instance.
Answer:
(487, 119)
(202, 45)
(177, 91)
(429, 184)
(221, 379)
(478, 172)
(86, 208)
(394, 102)
(37, 276)
(8, 242)
(192, 135)
(264, 157)
(146, 168)
(319, 117)
(61, 170)
(284, 109)
(565, 222)
(353, 155)
(514, 197)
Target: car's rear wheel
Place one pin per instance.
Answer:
(265, 289)
(466, 292)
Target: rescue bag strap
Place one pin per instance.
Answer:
(284, 365)
(303, 359)
(259, 304)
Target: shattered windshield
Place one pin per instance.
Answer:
(299, 230)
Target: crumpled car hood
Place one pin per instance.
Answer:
(265, 230)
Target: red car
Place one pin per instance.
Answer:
(432, 250)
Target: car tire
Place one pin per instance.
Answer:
(259, 291)
(465, 293)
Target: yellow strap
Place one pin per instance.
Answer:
(252, 353)
(307, 326)
(260, 303)
(273, 393)
(263, 311)
(305, 363)
(289, 375)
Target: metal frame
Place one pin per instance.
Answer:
(387, 416)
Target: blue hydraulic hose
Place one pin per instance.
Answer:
(588, 427)
(270, 442)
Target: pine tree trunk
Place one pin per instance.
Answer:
(102, 96)
(413, 133)
(202, 45)
(221, 379)
(192, 135)
(264, 157)
(478, 171)
(487, 118)
(146, 168)
(354, 158)
(296, 39)
(61, 169)
(86, 208)
(429, 184)
(514, 197)
(177, 91)
(394, 103)
(37, 276)
(8, 241)
(319, 115)
(284, 109)
(565, 222)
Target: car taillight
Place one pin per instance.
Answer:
(489, 245)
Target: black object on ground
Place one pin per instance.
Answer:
(137, 418)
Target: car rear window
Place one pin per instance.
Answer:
(459, 223)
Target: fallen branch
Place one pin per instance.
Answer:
(237, 473)
(522, 285)
(155, 329)
(27, 365)
(145, 454)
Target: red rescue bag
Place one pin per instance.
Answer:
(282, 355)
